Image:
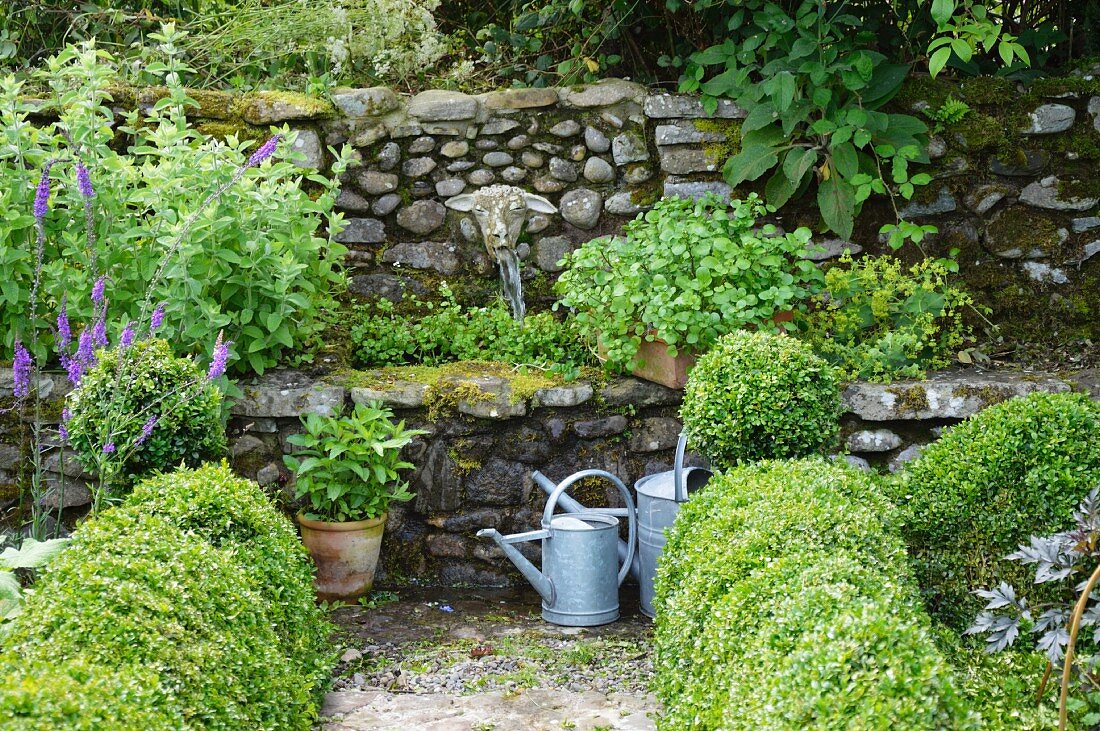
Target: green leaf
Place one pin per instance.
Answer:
(885, 82)
(942, 10)
(836, 201)
(938, 61)
(749, 164)
(32, 554)
(844, 159)
(797, 163)
(779, 189)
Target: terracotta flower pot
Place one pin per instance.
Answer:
(346, 555)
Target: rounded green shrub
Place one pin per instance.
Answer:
(112, 406)
(1016, 469)
(784, 602)
(758, 396)
(233, 514)
(137, 591)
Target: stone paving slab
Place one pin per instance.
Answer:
(530, 710)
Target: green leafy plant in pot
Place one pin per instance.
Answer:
(348, 469)
(684, 274)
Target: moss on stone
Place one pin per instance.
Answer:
(1021, 228)
(988, 395)
(917, 89)
(1081, 140)
(978, 131)
(1058, 87)
(718, 152)
(222, 130)
(988, 90)
(646, 194)
(252, 106)
(911, 399)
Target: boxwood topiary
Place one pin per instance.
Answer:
(784, 602)
(233, 514)
(1016, 469)
(137, 591)
(756, 396)
(110, 407)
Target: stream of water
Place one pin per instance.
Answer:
(510, 281)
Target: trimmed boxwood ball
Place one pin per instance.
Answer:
(188, 430)
(784, 602)
(757, 396)
(233, 514)
(137, 592)
(1014, 470)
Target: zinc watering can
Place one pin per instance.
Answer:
(581, 574)
(659, 499)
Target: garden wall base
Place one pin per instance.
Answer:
(475, 463)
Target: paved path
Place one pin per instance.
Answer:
(468, 660)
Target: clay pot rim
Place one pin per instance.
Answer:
(345, 527)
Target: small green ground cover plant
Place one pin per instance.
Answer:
(1014, 470)
(348, 466)
(686, 272)
(430, 333)
(877, 321)
(160, 618)
(784, 602)
(756, 396)
(155, 410)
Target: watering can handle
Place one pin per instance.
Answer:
(678, 470)
(631, 513)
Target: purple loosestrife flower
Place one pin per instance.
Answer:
(42, 194)
(146, 431)
(64, 330)
(157, 319)
(62, 429)
(221, 357)
(21, 367)
(109, 448)
(127, 338)
(83, 181)
(99, 333)
(266, 150)
(99, 291)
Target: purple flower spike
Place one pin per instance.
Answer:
(83, 181)
(265, 151)
(109, 448)
(21, 371)
(157, 319)
(99, 290)
(42, 194)
(146, 430)
(66, 414)
(63, 433)
(127, 338)
(85, 351)
(99, 333)
(75, 369)
(64, 330)
(221, 358)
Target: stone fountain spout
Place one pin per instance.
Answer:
(501, 211)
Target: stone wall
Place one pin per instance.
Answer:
(473, 468)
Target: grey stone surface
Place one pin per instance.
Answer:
(422, 217)
(435, 255)
(606, 427)
(639, 393)
(946, 395)
(307, 144)
(944, 203)
(565, 128)
(497, 159)
(1041, 272)
(581, 207)
(481, 177)
(518, 142)
(498, 126)
(281, 394)
(417, 167)
(1045, 194)
(603, 93)
(370, 102)
(386, 204)
(563, 170)
(513, 174)
(421, 145)
(688, 189)
(532, 159)
(373, 182)
(637, 173)
(520, 98)
(832, 248)
(629, 147)
(984, 197)
(461, 166)
(596, 140)
(387, 286)
(573, 394)
(1049, 119)
(684, 133)
(684, 160)
(906, 455)
(388, 156)
(655, 434)
(455, 148)
(577, 153)
(598, 170)
(549, 250)
(396, 395)
(498, 401)
(873, 440)
(666, 106)
(1025, 164)
(264, 108)
(621, 204)
(362, 231)
(537, 222)
(349, 200)
(546, 184)
(437, 105)
(1087, 223)
(449, 186)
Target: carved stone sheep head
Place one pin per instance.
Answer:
(501, 211)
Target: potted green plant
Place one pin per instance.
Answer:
(681, 276)
(348, 469)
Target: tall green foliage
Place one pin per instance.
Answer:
(253, 264)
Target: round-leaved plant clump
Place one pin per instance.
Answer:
(686, 272)
(160, 411)
(757, 396)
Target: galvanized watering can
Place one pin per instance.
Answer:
(580, 577)
(659, 500)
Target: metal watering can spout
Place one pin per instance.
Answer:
(542, 584)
